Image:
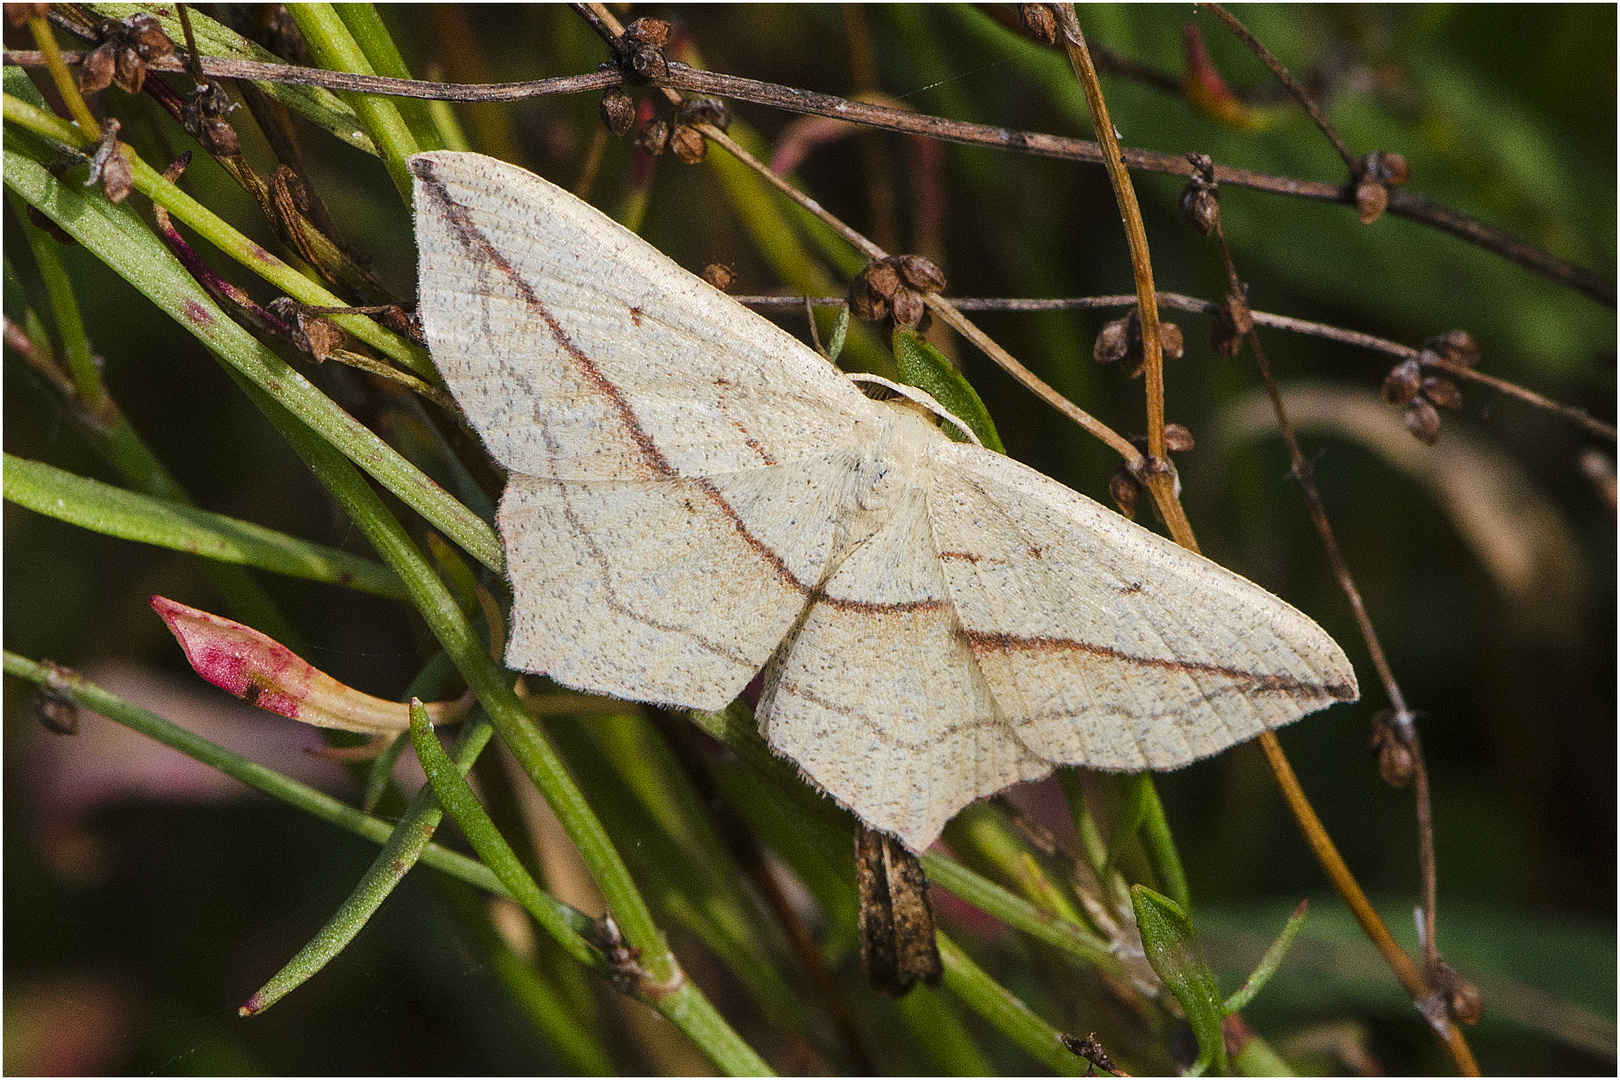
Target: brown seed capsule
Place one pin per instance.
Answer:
(1040, 22)
(1456, 346)
(1393, 169)
(706, 110)
(1395, 761)
(1123, 489)
(1113, 342)
(1371, 199)
(920, 273)
(863, 302)
(1402, 383)
(908, 307)
(1177, 439)
(57, 713)
(117, 177)
(1171, 344)
(218, 137)
(618, 110)
(129, 70)
(648, 31)
(1202, 207)
(883, 278)
(1423, 422)
(687, 144)
(653, 137)
(1443, 392)
(719, 275)
(1463, 999)
(97, 69)
(145, 35)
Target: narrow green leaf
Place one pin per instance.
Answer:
(840, 331)
(117, 236)
(365, 23)
(1174, 951)
(115, 511)
(1010, 1016)
(1161, 846)
(1268, 963)
(403, 849)
(925, 367)
(334, 48)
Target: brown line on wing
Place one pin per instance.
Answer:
(983, 642)
(479, 248)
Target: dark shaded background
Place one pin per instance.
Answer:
(135, 925)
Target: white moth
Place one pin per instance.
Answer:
(696, 495)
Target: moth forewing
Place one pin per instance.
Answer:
(696, 495)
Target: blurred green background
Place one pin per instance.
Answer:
(138, 915)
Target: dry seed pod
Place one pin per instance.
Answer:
(908, 307)
(1443, 392)
(863, 302)
(1171, 343)
(882, 278)
(58, 714)
(719, 275)
(648, 31)
(1177, 439)
(687, 144)
(1123, 489)
(648, 62)
(1456, 346)
(1040, 22)
(1371, 199)
(1463, 999)
(618, 110)
(1231, 325)
(706, 110)
(653, 137)
(147, 38)
(1422, 421)
(1402, 383)
(129, 70)
(1113, 342)
(97, 69)
(1202, 207)
(920, 273)
(1396, 763)
(1392, 168)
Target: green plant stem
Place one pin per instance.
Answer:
(403, 848)
(678, 998)
(1012, 1017)
(333, 47)
(116, 236)
(302, 796)
(377, 44)
(115, 511)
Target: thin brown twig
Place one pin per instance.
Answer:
(1193, 305)
(1322, 845)
(1159, 477)
(1402, 203)
(1293, 85)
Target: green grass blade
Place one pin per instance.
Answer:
(115, 511)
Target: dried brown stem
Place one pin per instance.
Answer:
(1181, 302)
(1326, 852)
(1241, 32)
(1159, 476)
(1405, 204)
